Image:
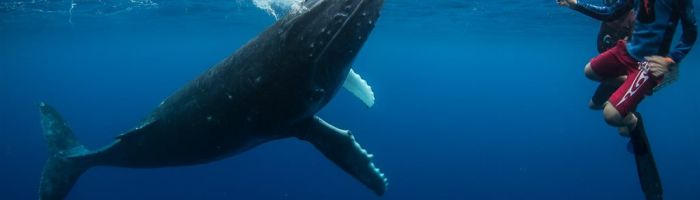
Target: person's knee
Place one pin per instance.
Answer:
(613, 117)
(590, 74)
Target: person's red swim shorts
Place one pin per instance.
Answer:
(617, 62)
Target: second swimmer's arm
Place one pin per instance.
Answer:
(690, 30)
(603, 13)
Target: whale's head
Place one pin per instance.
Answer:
(328, 34)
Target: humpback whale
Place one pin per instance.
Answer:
(271, 88)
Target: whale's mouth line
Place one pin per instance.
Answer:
(342, 27)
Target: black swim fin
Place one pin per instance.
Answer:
(646, 165)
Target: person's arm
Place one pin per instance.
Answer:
(603, 13)
(690, 31)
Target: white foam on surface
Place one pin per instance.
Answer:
(276, 7)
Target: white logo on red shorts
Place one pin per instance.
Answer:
(639, 80)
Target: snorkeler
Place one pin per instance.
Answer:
(609, 34)
(645, 59)
(630, 70)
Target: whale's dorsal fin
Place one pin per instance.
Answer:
(140, 130)
(359, 87)
(340, 147)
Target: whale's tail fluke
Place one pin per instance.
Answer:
(65, 163)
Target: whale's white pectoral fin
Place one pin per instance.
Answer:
(340, 147)
(359, 87)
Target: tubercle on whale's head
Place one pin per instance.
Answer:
(329, 34)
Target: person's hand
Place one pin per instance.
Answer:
(567, 3)
(658, 66)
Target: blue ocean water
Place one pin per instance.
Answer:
(476, 99)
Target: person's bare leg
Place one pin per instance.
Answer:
(604, 90)
(590, 74)
(613, 117)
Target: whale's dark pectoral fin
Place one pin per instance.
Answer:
(646, 165)
(340, 147)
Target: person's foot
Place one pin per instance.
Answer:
(596, 106)
(625, 131)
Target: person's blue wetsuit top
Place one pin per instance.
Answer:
(654, 27)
